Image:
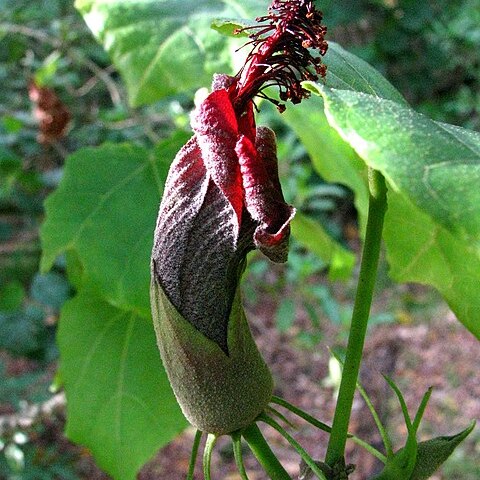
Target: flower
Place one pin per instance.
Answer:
(222, 199)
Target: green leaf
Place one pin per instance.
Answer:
(436, 166)
(105, 209)
(285, 315)
(163, 47)
(433, 453)
(433, 256)
(120, 404)
(47, 71)
(312, 235)
(433, 171)
(230, 27)
(349, 72)
(12, 295)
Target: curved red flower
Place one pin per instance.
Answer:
(222, 199)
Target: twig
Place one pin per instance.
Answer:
(31, 32)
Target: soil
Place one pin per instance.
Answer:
(443, 355)
(440, 353)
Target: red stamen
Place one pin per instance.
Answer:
(280, 54)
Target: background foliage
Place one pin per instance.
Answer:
(97, 234)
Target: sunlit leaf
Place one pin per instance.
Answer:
(120, 404)
(163, 47)
(105, 209)
(419, 250)
(432, 170)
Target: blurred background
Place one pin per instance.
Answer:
(51, 64)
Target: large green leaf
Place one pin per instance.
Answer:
(120, 404)
(348, 72)
(433, 171)
(420, 250)
(164, 46)
(105, 209)
(436, 166)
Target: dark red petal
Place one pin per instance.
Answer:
(263, 195)
(183, 196)
(198, 250)
(216, 127)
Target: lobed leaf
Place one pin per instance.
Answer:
(104, 210)
(432, 170)
(436, 166)
(120, 404)
(163, 47)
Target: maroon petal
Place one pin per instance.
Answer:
(263, 195)
(198, 251)
(216, 127)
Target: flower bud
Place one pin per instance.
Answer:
(222, 199)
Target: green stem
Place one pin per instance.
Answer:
(264, 454)
(368, 271)
(300, 450)
(238, 454)
(193, 456)
(207, 455)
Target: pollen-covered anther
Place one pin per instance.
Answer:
(283, 42)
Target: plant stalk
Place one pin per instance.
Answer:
(377, 207)
(264, 454)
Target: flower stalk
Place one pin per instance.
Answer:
(264, 454)
(361, 312)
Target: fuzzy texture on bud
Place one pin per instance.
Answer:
(222, 199)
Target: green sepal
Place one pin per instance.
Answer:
(402, 464)
(432, 453)
(218, 393)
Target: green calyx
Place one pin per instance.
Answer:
(218, 393)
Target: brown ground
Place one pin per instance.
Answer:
(439, 353)
(443, 355)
